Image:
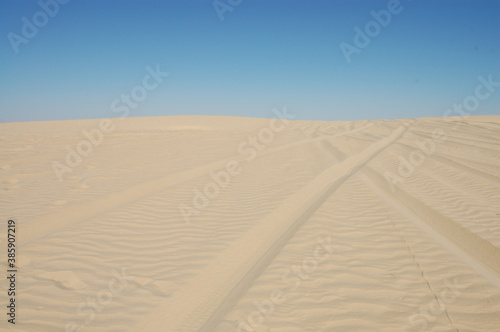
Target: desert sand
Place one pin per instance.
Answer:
(197, 223)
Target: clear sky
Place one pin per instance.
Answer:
(264, 54)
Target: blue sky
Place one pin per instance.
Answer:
(265, 54)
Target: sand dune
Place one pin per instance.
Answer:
(234, 224)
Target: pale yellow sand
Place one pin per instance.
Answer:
(179, 224)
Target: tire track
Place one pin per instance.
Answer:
(445, 159)
(201, 306)
(476, 252)
(51, 223)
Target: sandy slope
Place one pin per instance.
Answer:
(330, 226)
